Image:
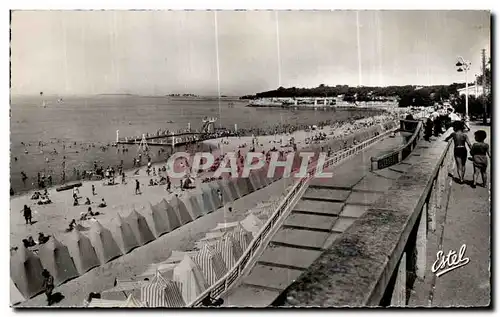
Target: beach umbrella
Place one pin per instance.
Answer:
(180, 209)
(56, 259)
(211, 264)
(126, 236)
(84, 256)
(189, 275)
(26, 272)
(104, 243)
(140, 227)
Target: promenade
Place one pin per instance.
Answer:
(466, 221)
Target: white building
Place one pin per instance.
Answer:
(474, 90)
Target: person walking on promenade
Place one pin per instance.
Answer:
(93, 190)
(460, 151)
(478, 151)
(27, 214)
(137, 187)
(48, 285)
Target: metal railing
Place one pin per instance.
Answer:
(225, 283)
(401, 152)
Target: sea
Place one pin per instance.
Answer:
(45, 129)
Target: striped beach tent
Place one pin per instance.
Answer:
(84, 254)
(189, 275)
(105, 303)
(213, 188)
(164, 213)
(56, 259)
(105, 245)
(140, 227)
(180, 209)
(252, 224)
(242, 236)
(15, 295)
(26, 272)
(211, 264)
(191, 202)
(230, 250)
(161, 292)
(125, 236)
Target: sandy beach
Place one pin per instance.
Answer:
(54, 218)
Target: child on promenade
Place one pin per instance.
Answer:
(478, 152)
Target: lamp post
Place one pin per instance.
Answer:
(464, 66)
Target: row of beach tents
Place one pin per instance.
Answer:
(104, 245)
(181, 278)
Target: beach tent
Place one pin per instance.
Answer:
(104, 243)
(165, 269)
(177, 256)
(211, 264)
(193, 207)
(125, 236)
(189, 275)
(224, 227)
(231, 184)
(262, 176)
(242, 186)
(210, 190)
(252, 224)
(255, 179)
(84, 254)
(105, 303)
(123, 289)
(15, 295)
(56, 259)
(26, 272)
(229, 193)
(210, 239)
(230, 250)
(164, 217)
(161, 292)
(132, 302)
(140, 227)
(180, 210)
(207, 203)
(242, 236)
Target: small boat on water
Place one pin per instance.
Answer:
(68, 186)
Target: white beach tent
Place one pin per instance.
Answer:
(140, 227)
(83, 253)
(56, 259)
(105, 245)
(191, 202)
(125, 236)
(15, 295)
(252, 224)
(211, 264)
(26, 272)
(165, 217)
(189, 275)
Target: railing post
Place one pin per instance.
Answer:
(421, 243)
(398, 298)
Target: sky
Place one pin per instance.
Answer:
(239, 52)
